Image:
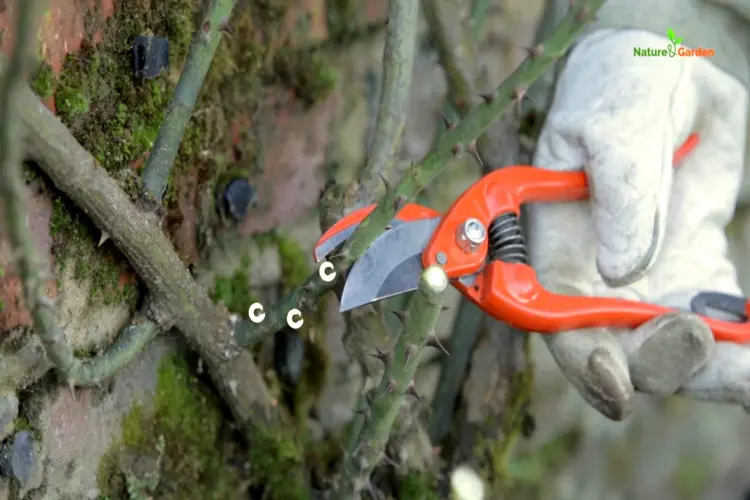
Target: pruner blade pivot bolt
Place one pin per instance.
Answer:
(470, 235)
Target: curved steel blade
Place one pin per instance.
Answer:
(391, 266)
(329, 245)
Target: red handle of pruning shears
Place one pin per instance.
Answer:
(510, 291)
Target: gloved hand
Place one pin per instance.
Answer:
(648, 232)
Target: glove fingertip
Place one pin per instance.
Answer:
(609, 390)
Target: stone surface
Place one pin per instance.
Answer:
(8, 413)
(226, 257)
(78, 428)
(4, 488)
(21, 459)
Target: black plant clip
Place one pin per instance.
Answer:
(150, 56)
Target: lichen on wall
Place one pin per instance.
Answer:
(179, 448)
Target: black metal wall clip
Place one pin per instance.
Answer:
(150, 56)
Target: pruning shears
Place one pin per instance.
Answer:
(480, 244)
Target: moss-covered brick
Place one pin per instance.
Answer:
(186, 431)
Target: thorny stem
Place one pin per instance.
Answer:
(175, 298)
(478, 16)
(422, 173)
(366, 329)
(161, 160)
(398, 61)
(398, 65)
(466, 324)
(476, 122)
(12, 189)
(456, 59)
(397, 382)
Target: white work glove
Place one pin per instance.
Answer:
(648, 232)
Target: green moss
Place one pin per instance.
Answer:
(43, 82)
(342, 19)
(234, 291)
(277, 458)
(23, 424)
(115, 117)
(294, 261)
(417, 486)
(82, 353)
(73, 96)
(531, 469)
(187, 428)
(112, 116)
(308, 73)
(495, 471)
(103, 267)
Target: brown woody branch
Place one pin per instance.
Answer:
(177, 299)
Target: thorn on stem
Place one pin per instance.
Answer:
(458, 150)
(410, 350)
(414, 174)
(449, 125)
(488, 98)
(366, 413)
(103, 238)
(224, 27)
(411, 390)
(384, 356)
(390, 386)
(432, 341)
(399, 202)
(536, 51)
(473, 150)
(401, 315)
(519, 95)
(585, 15)
(386, 183)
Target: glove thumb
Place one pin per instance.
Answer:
(621, 117)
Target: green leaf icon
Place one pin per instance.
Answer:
(678, 41)
(671, 34)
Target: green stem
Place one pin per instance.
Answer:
(457, 56)
(478, 17)
(420, 174)
(12, 189)
(87, 372)
(398, 66)
(161, 160)
(396, 383)
(463, 338)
